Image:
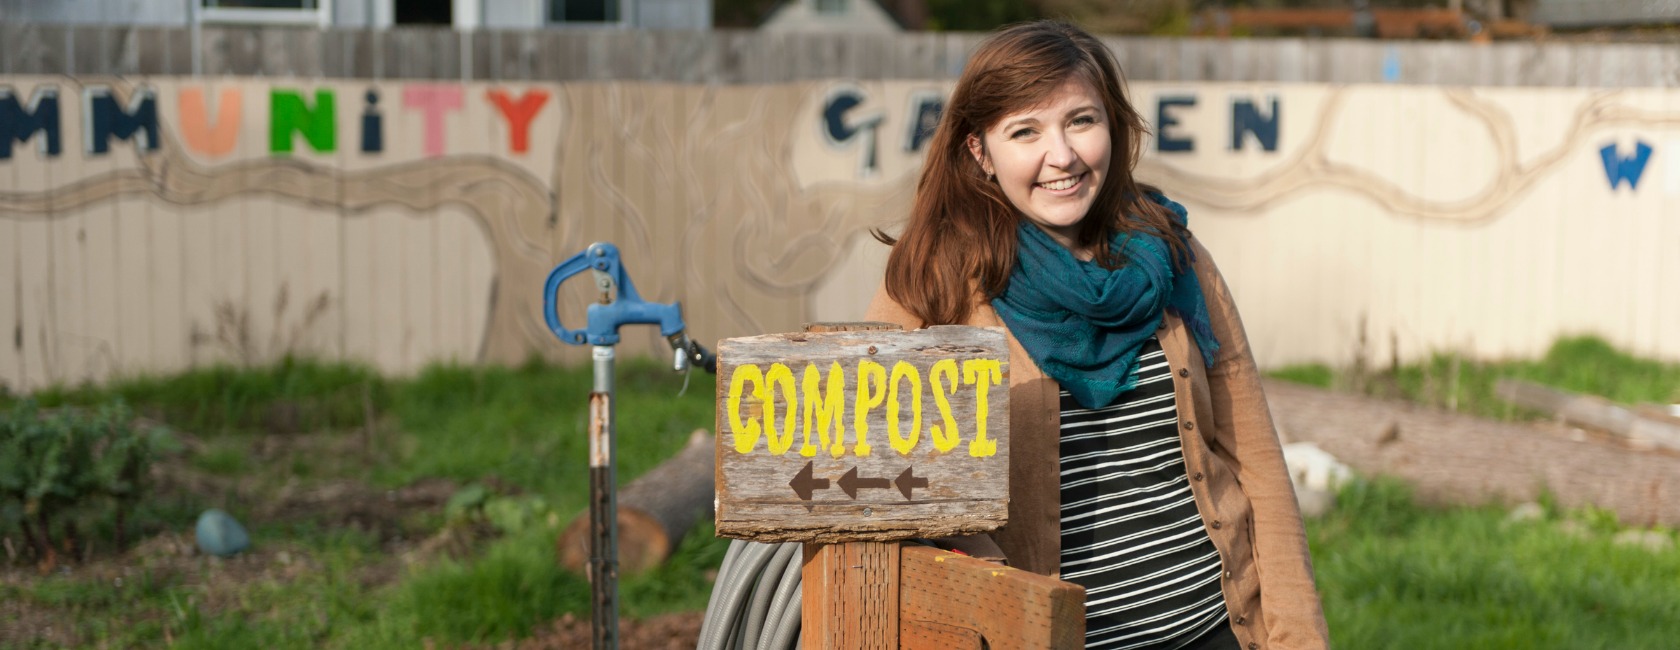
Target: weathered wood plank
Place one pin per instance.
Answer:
(152, 51)
(274, 54)
(122, 51)
(29, 50)
(947, 599)
(87, 50)
(307, 52)
(484, 55)
(862, 434)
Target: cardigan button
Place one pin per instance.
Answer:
(1184, 372)
(1241, 620)
(1197, 477)
(1227, 575)
(1253, 646)
(1189, 426)
(1216, 524)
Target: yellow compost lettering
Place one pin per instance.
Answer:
(779, 376)
(783, 405)
(867, 371)
(945, 374)
(826, 409)
(901, 443)
(746, 433)
(983, 373)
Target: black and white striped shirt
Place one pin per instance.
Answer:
(1131, 534)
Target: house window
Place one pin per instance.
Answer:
(832, 7)
(424, 12)
(583, 11)
(280, 12)
(261, 4)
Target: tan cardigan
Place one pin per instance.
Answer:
(1231, 453)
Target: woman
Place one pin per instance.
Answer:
(1144, 464)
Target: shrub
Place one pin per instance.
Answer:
(64, 472)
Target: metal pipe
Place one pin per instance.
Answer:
(603, 506)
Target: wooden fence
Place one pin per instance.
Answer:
(748, 57)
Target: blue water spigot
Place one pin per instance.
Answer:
(619, 305)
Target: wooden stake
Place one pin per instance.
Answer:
(850, 596)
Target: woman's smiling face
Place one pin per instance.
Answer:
(1051, 159)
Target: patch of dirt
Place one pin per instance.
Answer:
(23, 622)
(667, 632)
(349, 504)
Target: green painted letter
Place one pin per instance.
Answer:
(288, 112)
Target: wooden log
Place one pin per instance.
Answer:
(1457, 459)
(654, 512)
(953, 601)
(850, 596)
(1590, 411)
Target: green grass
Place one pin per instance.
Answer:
(1396, 575)
(1392, 573)
(1580, 364)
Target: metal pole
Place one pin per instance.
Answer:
(603, 506)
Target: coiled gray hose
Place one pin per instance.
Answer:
(755, 602)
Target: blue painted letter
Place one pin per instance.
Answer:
(1164, 121)
(18, 123)
(1245, 119)
(925, 110)
(1618, 169)
(839, 130)
(105, 119)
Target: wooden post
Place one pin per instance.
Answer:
(851, 597)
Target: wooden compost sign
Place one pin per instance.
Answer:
(863, 435)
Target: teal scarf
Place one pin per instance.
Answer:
(1083, 324)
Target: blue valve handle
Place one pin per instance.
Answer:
(604, 319)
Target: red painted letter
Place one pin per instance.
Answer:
(519, 113)
(434, 101)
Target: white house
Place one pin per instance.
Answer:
(831, 16)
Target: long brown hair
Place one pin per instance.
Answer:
(961, 236)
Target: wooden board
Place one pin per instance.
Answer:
(894, 471)
(950, 601)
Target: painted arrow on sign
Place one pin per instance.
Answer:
(908, 481)
(805, 481)
(850, 483)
